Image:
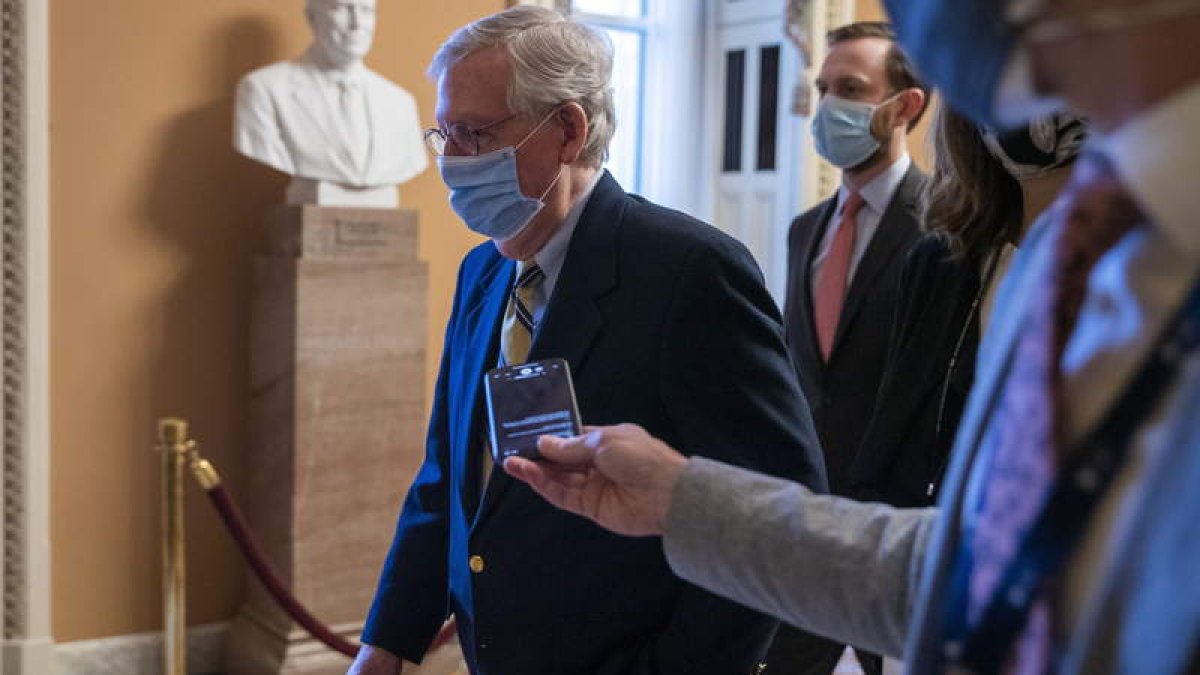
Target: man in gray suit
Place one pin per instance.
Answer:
(1065, 539)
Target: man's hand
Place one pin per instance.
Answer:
(621, 477)
(375, 661)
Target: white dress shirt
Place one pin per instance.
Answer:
(877, 195)
(554, 253)
(1133, 291)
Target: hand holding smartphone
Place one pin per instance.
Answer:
(528, 401)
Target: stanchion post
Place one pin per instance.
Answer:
(174, 445)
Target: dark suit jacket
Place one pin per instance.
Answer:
(903, 451)
(842, 391)
(665, 323)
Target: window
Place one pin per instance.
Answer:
(658, 85)
(627, 26)
(629, 9)
(735, 74)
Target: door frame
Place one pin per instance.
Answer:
(822, 177)
(814, 178)
(25, 337)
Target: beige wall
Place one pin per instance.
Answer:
(154, 224)
(870, 10)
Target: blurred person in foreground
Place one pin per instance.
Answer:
(1065, 537)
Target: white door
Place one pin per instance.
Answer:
(754, 138)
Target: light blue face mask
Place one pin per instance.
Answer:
(842, 131)
(486, 193)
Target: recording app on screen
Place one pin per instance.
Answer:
(528, 401)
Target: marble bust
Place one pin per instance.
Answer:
(346, 135)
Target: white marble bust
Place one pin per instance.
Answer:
(347, 135)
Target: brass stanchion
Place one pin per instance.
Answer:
(178, 452)
(174, 445)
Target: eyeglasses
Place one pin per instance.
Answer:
(462, 136)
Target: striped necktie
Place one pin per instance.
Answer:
(516, 336)
(517, 332)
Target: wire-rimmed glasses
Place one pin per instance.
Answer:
(462, 136)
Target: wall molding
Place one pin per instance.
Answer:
(819, 179)
(24, 337)
(141, 653)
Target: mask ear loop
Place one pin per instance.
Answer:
(535, 129)
(530, 135)
(552, 184)
(877, 126)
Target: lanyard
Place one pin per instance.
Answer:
(1083, 479)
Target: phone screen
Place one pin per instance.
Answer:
(528, 401)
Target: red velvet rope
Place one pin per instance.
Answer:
(257, 559)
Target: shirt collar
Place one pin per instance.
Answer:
(1158, 158)
(554, 253)
(879, 191)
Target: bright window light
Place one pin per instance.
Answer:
(631, 9)
(624, 156)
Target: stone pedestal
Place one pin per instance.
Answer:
(337, 421)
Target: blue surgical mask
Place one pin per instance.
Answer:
(975, 51)
(842, 131)
(486, 192)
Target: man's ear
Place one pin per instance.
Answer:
(909, 105)
(574, 124)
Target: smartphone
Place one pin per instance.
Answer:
(528, 401)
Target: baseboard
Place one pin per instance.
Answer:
(141, 654)
(26, 656)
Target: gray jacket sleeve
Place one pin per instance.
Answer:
(837, 567)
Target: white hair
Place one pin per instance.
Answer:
(555, 60)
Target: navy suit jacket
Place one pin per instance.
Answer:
(665, 322)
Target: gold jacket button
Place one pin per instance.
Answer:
(475, 563)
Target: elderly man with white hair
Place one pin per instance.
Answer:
(663, 319)
(324, 116)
